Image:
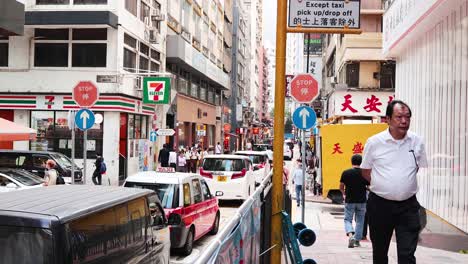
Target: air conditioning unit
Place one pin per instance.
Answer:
(154, 36)
(333, 80)
(157, 16)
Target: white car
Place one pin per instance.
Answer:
(17, 179)
(230, 175)
(261, 166)
(287, 153)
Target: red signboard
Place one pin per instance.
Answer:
(85, 94)
(304, 88)
(255, 130)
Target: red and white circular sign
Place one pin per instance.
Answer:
(304, 88)
(85, 94)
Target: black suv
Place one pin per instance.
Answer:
(33, 161)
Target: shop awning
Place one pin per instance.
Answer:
(10, 131)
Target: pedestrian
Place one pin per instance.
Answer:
(218, 148)
(163, 157)
(182, 162)
(187, 159)
(297, 180)
(193, 159)
(353, 188)
(50, 177)
(97, 173)
(172, 159)
(390, 163)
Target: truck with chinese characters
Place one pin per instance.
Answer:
(339, 143)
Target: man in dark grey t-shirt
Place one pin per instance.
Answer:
(353, 187)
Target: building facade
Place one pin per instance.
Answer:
(357, 79)
(110, 43)
(428, 40)
(11, 21)
(195, 56)
(240, 77)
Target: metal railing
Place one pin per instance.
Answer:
(262, 194)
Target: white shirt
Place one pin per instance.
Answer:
(297, 176)
(172, 157)
(393, 165)
(218, 149)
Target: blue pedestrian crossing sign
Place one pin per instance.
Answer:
(84, 119)
(304, 117)
(153, 136)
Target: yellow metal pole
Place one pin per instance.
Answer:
(278, 140)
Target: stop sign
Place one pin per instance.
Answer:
(304, 88)
(85, 94)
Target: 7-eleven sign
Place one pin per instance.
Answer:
(156, 90)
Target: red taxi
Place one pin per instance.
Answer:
(191, 209)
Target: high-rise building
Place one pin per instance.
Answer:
(111, 43)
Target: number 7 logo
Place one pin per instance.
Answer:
(49, 101)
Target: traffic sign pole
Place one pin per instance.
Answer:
(277, 205)
(303, 175)
(85, 148)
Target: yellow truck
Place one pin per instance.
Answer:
(338, 143)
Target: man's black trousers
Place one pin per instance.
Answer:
(385, 216)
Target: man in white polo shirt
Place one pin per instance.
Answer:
(390, 163)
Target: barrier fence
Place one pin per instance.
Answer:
(246, 237)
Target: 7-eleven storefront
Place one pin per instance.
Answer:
(120, 133)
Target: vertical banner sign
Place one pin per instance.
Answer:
(156, 90)
(324, 14)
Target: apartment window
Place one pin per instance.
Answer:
(129, 60)
(352, 74)
(145, 13)
(53, 134)
(194, 89)
(157, 7)
(387, 74)
(203, 92)
(88, 46)
(155, 61)
(52, 2)
(186, 9)
(3, 51)
(131, 6)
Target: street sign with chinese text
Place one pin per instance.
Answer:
(304, 88)
(156, 90)
(324, 14)
(357, 103)
(85, 94)
(165, 132)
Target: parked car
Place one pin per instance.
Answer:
(230, 174)
(17, 179)
(268, 148)
(287, 152)
(83, 224)
(188, 203)
(33, 161)
(261, 166)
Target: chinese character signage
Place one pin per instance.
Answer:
(156, 90)
(324, 14)
(339, 143)
(351, 103)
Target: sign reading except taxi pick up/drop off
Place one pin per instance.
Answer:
(324, 14)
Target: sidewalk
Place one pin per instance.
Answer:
(331, 244)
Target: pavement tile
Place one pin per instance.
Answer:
(331, 244)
